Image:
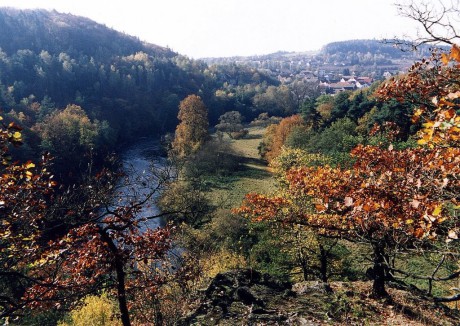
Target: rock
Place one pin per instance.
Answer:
(308, 287)
(240, 296)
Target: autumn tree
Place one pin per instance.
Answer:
(193, 127)
(68, 131)
(108, 244)
(276, 135)
(71, 137)
(390, 199)
(25, 189)
(56, 247)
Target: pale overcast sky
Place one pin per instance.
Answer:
(205, 28)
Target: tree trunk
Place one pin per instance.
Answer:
(119, 270)
(121, 293)
(303, 264)
(323, 264)
(379, 271)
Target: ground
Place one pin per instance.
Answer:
(246, 297)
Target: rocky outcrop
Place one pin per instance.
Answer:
(242, 296)
(247, 297)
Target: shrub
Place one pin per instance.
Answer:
(95, 311)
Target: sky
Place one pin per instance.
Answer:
(222, 28)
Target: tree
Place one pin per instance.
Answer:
(304, 90)
(106, 245)
(390, 199)
(276, 135)
(25, 189)
(59, 247)
(276, 100)
(193, 127)
(69, 135)
(231, 123)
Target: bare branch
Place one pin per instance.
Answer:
(439, 21)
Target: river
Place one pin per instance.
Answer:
(144, 167)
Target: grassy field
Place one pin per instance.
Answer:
(254, 175)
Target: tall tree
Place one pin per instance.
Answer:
(193, 127)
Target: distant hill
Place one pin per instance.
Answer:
(362, 57)
(363, 46)
(56, 32)
(384, 49)
(47, 56)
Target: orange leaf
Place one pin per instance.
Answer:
(445, 58)
(455, 53)
(320, 208)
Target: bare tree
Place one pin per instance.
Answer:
(439, 21)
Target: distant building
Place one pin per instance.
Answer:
(341, 87)
(387, 75)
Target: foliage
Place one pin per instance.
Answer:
(391, 199)
(215, 158)
(25, 189)
(263, 120)
(231, 123)
(67, 135)
(57, 247)
(193, 127)
(295, 158)
(276, 135)
(221, 261)
(276, 101)
(95, 311)
(185, 203)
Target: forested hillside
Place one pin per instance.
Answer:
(67, 59)
(123, 88)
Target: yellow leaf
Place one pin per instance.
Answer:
(437, 210)
(428, 124)
(17, 135)
(409, 221)
(419, 112)
(421, 141)
(29, 165)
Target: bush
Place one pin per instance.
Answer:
(95, 311)
(239, 134)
